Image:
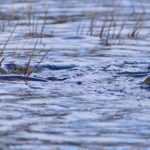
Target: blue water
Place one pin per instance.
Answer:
(103, 103)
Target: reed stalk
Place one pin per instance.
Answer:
(2, 50)
(29, 73)
(30, 58)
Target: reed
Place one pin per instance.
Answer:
(31, 56)
(2, 50)
(110, 28)
(103, 27)
(137, 27)
(1, 61)
(114, 29)
(118, 36)
(92, 24)
(29, 13)
(41, 60)
(108, 31)
(44, 23)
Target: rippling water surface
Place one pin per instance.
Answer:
(103, 103)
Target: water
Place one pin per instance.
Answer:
(103, 103)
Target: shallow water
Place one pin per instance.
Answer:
(103, 103)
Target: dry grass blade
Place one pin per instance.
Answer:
(19, 54)
(39, 62)
(29, 13)
(92, 24)
(2, 50)
(44, 23)
(121, 29)
(102, 29)
(1, 61)
(137, 27)
(31, 56)
(109, 29)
